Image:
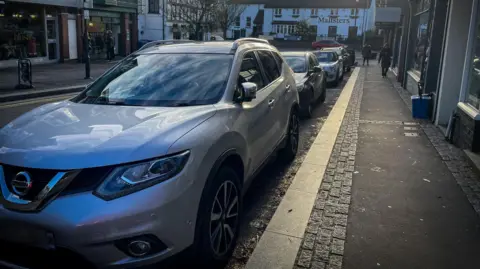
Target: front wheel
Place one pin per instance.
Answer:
(291, 146)
(218, 219)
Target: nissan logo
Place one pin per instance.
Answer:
(22, 183)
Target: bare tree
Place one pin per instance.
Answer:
(227, 13)
(198, 14)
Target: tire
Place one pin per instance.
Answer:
(307, 112)
(337, 80)
(210, 250)
(288, 153)
(349, 69)
(324, 92)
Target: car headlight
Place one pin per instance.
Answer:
(300, 87)
(131, 178)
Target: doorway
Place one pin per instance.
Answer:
(72, 39)
(52, 40)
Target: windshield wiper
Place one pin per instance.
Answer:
(181, 104)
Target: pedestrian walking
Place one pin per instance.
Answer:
(366, 53)
(385, 58)
(110, 45)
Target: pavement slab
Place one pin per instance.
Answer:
(395, 194)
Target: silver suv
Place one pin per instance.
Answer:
(153, 157)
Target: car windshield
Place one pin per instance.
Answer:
(161, 80)
(325, 57)
(297, 63)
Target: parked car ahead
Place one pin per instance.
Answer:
(153, 157)
(344, 56)
(310, 79)
(317, 45)
(331, 64)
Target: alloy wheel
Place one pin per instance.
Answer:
(224, 218)
(294, 132)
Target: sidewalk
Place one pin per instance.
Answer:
(393, 193)
(50, 79)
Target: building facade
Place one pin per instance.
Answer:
(440, 51)
(42, 31)
(278, 22)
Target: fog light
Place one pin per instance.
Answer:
(139, 248)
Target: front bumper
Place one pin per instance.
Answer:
(89, 229)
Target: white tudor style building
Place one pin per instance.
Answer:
(281, 22)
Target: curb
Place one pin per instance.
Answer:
(281, 240)
(41, 93)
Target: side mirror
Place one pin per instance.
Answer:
(249, 91)
(317, 69)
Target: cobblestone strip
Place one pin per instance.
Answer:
(324, 239)
(452, 156)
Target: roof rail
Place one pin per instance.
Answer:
(241, 41)
(166, 42)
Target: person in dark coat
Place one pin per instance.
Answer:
(110, 44)
(366, 53)
(385, 58)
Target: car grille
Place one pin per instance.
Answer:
(34, 258)
(41, 177)
(86, 180)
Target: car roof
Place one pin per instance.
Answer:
(295, 53)
(210, 47)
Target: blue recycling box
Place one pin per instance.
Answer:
(420, 106)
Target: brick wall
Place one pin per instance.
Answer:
(464, 131)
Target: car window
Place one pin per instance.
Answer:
(250, 71)
(314, 59)
(311, 63)
(325, 57)
(278, 59)
(327, 42)
(269, 64)
(161, 80)
(297, 63)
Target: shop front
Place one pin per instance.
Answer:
(100, 22)
(27, 31)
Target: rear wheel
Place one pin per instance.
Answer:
(218, 219)
(324, 92)
(291, 146)
(307, 111)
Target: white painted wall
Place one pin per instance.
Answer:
(305, 13)
(454, 59)
(150, 25)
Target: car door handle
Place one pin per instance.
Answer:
(271, 102)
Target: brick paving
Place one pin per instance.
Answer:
(324, 239)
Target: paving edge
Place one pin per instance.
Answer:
(40, 93)
(279, 244)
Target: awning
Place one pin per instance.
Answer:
(259, 17)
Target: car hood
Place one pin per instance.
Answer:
(327, 64)
(300, 78)
(69, 135)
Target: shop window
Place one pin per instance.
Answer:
(314, 12)
(249, 22)
(154, 6)
(277, 12)
(421, 42)
(473, 94)
(22, 32)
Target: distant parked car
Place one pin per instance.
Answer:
(317, 45)
(309, 77)
(344, 57)
(331, 64)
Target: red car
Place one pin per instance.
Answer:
(317, 45)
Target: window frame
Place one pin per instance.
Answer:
(248, 22)
(153, 6)
(266, 78)
(259, 65)
(467, 66)
(297, 13)
(277, 12)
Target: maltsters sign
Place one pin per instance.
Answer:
(333, 20)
